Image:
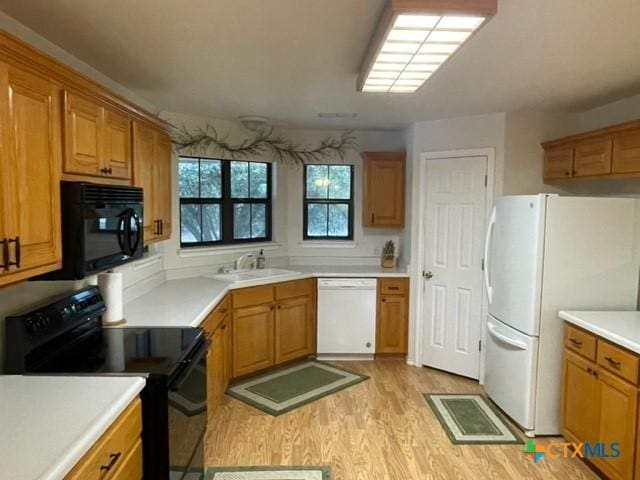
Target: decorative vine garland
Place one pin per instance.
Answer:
(266, 141)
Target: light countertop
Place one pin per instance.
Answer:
(619, 327)
(48, 423)
(186, 302)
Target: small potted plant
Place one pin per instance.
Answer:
(389, 255)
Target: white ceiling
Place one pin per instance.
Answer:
(291, 59)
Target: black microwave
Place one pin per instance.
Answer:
(102, 227)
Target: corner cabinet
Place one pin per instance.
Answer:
(30, 132)
(272, 325)
(392, 321)
(611, 152)
(152, 172)
(383, 195)
(217, 327)
(600, 400)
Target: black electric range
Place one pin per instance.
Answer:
(67, 337)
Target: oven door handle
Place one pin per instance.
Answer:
(188, 365)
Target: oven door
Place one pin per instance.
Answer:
(113, 235)
(188, 416)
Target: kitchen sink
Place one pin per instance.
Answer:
(242, 276)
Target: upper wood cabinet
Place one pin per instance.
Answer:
(30, 231)
(612, 152)
(152, 172)
(384, 189)
(558, 163)
(97, 139)
(592, 157)
(626, 152)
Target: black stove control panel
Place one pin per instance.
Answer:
(58, 316)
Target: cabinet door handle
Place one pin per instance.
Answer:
(577, 343)
(18, 252)
(113, 459)
(223, 327)
(110, 170)
(613, 363)
(161, 227)
(373, 218)
(5, 254)
(384, 299)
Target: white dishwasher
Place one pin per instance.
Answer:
(346, 318)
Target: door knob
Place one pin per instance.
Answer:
(427, 275)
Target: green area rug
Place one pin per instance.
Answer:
(269, 473)
(471, 419)
(280, 392)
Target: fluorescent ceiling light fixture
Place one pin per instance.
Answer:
(415, 37)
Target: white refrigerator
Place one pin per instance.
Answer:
(546, 253)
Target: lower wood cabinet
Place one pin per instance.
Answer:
(217, 327)
(600, 401)
(272, 324)
(117, 455)
(294, 329)
(253, 339)
(392, 321)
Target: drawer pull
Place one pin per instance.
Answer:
(393, 288)
(223, 310)
(577, 343)
(114, 457)
(613, 363)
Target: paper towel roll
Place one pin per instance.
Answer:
(110, 285)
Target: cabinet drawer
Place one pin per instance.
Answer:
(118, 441)
(619, 361)
(215, 318)
(393, 286)
(131, 466)
(246, 297)
(580, 341)
(297, 288)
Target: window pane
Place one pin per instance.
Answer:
(188, 177)
(258, 180)
(339, 220)
(240, 179)
(190, 230)
(340, 181)
(258, 220)
(210, 179)
(211, 231)
(317, 181)
(241, 221)
(317, 220)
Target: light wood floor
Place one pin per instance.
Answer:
(381, 429)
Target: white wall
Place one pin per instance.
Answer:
(611, 113)
(287, 204)
(27, 35)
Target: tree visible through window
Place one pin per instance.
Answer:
(224, 201)
(328, 202)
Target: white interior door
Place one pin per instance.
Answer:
(453, 239)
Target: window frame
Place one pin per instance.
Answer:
(227, 204)
(327, 201)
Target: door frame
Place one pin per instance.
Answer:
(417, 280)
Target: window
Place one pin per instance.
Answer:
(328, 202)
(224, 201)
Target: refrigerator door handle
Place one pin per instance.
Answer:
(487, 248)
(503, 338)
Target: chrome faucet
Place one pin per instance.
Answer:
(241, 260)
